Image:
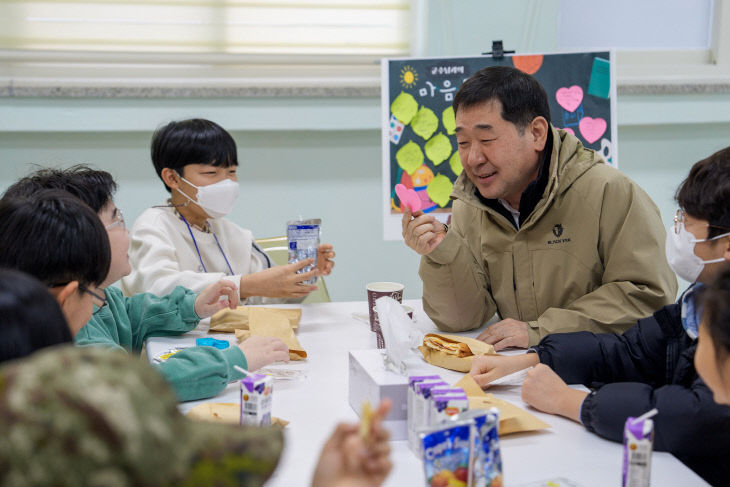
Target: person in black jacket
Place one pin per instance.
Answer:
(651, 365)
(712, 358)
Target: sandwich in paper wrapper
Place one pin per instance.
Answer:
(452, 351)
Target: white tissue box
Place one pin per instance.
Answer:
(371, 381)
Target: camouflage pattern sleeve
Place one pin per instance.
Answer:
(85, 416)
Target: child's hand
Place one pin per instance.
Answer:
(261, 351)
(208, 301)
(325, 254)
(281, 281)
(544, 390)
(486, 368)
(348, 460)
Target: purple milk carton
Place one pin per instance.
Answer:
(412, 381)
(638, 443)
(444, 406)
(256, 393)
(422, 392)
(441, 391)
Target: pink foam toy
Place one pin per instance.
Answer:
(408, 197)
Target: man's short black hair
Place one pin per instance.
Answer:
(716, 311)
(194, 141)
(30, 317)
(522, 97)
(93, 187)
(705, 193)
(55, 237)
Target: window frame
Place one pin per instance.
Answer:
(680, 70)
(134, 74)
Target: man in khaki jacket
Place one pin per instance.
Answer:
(543, 232)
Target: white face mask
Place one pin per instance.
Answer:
(681, 255)
(216, 199)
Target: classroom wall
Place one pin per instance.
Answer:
(318, 157)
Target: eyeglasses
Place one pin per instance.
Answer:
(680, 217)
(100, 298)
(118, 220)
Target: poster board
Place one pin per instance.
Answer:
(419, 146)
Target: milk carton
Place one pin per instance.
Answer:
(441, 391)
(410, 398)
(638, 445)
(444, 406)
(422, 392)
(256, 392)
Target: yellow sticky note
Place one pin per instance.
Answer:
(438, 148)
(439, 190)
(455, 163)
(404, 107)
(409, 157)
(449, 120)
(425, 123)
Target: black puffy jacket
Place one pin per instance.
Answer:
(651, 365)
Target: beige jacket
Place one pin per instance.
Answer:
(589, 257)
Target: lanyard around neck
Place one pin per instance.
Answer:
(200, 257)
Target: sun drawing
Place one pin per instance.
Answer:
(408, 76)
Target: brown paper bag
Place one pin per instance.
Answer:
(452, 362)
(264, 323)
(512, 419)
(228, 320)
(224, 412)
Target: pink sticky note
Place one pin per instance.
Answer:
(569, 98)
(408, 197)
(592, 128)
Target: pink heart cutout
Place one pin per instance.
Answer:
(592, 128)
(569, 98)
(408, 197)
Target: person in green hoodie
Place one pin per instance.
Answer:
(125, 323)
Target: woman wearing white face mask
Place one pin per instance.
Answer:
(651, 364)
(189, 242)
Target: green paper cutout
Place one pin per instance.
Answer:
(600, 83)
(455, 163)
(449, 120)
(409, 157)
(404, 107)
(425, 123)
(439, 190)
(438, 148)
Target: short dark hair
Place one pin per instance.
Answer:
(93, 187)
(705, 193)
(30, 317)
(194, 141)
(716, 311)
(522, 97)
(55, 237)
